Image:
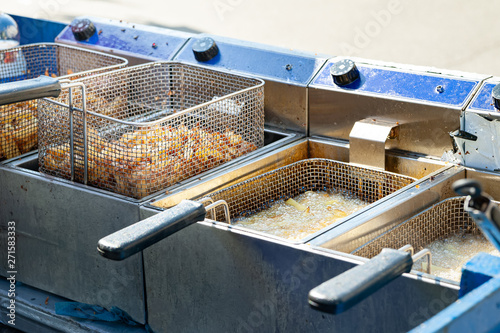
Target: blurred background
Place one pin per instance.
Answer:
(449, 34)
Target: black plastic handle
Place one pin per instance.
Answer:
(135, 238)
(347, 289)
(20, 91)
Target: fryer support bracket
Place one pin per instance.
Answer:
(367, 141)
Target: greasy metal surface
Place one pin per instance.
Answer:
(427, 191)
(286, 106)
(409, 165)
(442, 219)
(367, 141)
(490, 182)
(18, 121)
(259, 193)
(236, 282)
(423, 129)
(151, 126)
(35, 312)
(57, 229)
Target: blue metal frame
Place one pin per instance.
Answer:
(478, 310)
(404, 84)
(483, 100)
(37, 30)
(277, 64)
(132, 39)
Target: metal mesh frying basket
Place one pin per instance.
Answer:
(441, 220)
(18, 121)
(316, 174)
(151, 126)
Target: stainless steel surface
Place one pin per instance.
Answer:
(35, 312)
(332, 114)
(258, 193)
(236, 282)
(409, 165)
(286, 106)
(367, 141)
(423, 126)
(57, 228)
(18, 121)
(153, 125)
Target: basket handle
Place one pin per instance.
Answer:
(139, 236)
(20, 91)
(347, 289)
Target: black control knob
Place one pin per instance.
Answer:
(83, 29)
(344, 72)
(205, 49)
(495, 94)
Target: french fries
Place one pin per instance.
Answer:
(144, 161)
(18, 129)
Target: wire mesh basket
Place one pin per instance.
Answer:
(443, 219)
(148, 127)
(446, 229)
(259, 193)
(18, 121)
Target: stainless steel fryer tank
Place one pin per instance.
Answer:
(432, 190)
(396, 162)
(271, 277)
(57, 228)
(212, 278)
(59, 223)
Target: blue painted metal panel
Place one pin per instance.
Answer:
(37, 31)
(483, 101)
(477, 310)
(137, 40)
(259, 60)
(396, 83)
(477, 271)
